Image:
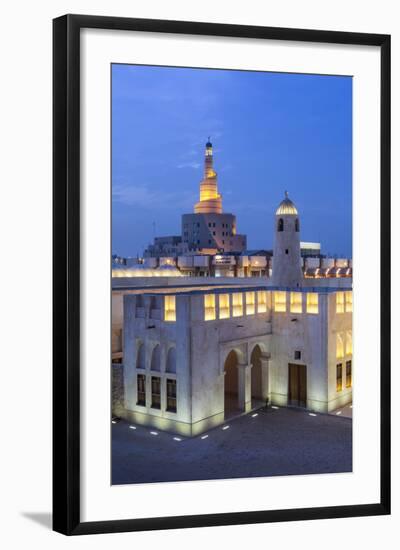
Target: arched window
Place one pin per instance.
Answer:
(141, 357)
(297, 225)
(155, 358)
(280, 224)
(171, 360)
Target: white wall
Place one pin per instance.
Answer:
(25, 220)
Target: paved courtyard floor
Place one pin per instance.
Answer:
(277, 441)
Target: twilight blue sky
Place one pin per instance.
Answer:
(271, 132)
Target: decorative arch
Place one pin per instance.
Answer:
(241, 354)
(156, 358)
(171, 360)
(280, 224)
(141, 356)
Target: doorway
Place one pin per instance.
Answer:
(297, 391)
(231, 385)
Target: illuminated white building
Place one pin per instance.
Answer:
(198, 351)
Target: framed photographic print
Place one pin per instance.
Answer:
(221, 274)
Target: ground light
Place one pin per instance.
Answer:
(226, 427)
(274, 407)
(154, 433)
(177, 439)
(132, 427)
(254, 415)
(204, 436)
(312, 414)
(339, 412)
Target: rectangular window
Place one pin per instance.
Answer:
(296, 302)
(349, 342)
(155, 392)
(169, 308)
(312, 302)
(280, 301)
(209, 307)
(339, 346)
(224, 310)
(349, 301)
(250, 303)
(339, 385)
(339, 302)
(141, 389)
(348, 374)
(237, 304)
(171, 395)
(297, 355)
(261, 301)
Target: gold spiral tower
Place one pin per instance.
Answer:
(210, 200)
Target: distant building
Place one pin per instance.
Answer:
(208, 230)
(209, 227)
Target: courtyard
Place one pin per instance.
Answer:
(266, 442)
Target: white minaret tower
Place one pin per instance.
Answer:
(286, 263)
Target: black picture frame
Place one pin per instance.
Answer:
(66, 273)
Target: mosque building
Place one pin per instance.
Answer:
(194, 352)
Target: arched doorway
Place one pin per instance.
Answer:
(257, 399)
(231, 385)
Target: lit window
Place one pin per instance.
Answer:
(348, 374)
(312, 302)
(224, 312)
(155, 392)
(171, 395)
(141, 389)
(349, 301)
(209, 307)
(339, 382)
(261, 301)
(237, 304)
(250, 303)
(280, 301)
(169, 308)
(295, 302)
(349, 343)
(339, 302)
(339, 346)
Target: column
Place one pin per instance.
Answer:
(244, 389)
(264, 377)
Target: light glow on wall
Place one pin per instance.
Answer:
(312, 302)
(280, 301)
(169, 308)
(261, 301)
(349, 342)
(339, 346)
(209, 307)
(339, 302)
(349, 301)
(237, 304)
(250, 303)
(296, 302)
(224, 309)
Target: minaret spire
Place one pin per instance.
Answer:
(210, 199)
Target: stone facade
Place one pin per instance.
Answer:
(232, 350)
(117, 389)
